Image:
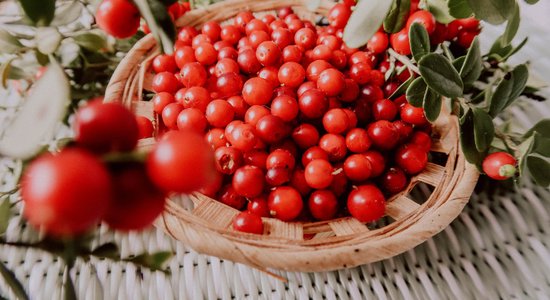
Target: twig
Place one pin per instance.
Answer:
(405, 60)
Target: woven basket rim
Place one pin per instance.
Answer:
(291, 253)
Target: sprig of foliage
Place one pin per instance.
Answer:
(478, 87)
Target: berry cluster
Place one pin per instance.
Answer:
(99, 178)
(121, 18)
(297, 119)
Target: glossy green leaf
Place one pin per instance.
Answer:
(159, 21)
(494, 12)
(467, 139)
(500, 96)
(440, 75)
(8, 43)
(539, 167)
(542, 127)
(416, 91)
(440, 10)
(531, 1)
(520, 76)
(459, 8)
(484, 130)
(365, 21)
(511, 27)
(40, 12)
(397, 16)
(432, 105)
(13, 282)
(402, 89)
(419, 40)
(472, 65)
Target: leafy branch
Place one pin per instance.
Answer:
(480, 87)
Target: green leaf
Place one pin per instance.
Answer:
(484, 130)
(440, 75)
(402, 89)
(432, 105)
(416, 92)
(4, 214)
(8, 43)
(531, 1)
(511, 27)
(48, 39)
(473, 65)
(541, 144)
(419, 40)
(524, 149)
(108, 250)
(40, 12)
(67, 13)
(153, 261)
(44, 107)
(365, 22)
(459, 9)
(494, 12)
(397, 16)
(92, 41)
(459, 62)
(500, 96)
(13, 282)
(440, 10)
(467, 140)
(539, 167)
(542, 127)
(160, 23)
(519, 76)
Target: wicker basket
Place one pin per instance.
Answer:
(205, 224)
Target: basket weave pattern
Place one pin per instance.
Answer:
(205, 224)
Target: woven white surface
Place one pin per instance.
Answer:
(499, 247)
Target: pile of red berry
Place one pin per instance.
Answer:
(301, 124)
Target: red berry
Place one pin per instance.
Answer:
(106, 127)
(394, 180)
(165, 63)
(257, 91)
(331, 81)
(248, 181)
(425, 18)
(336, 121)
(219, 113)
(137, 202)
(400, 42)
(318, 174)
(338, 15)
(229, 196)
(145, 127)
(383, 134)
(411, 159)
(258, 206)
(357, 167)
(285, 203)
(249, 223)
(323, 205)
(173, 165)
(366, 203)
(66, 194)
(377, 162)
(192, 119)
(499, 165)
(165, 82)
(334, 145)
(358, 141)
(119, 18)
(413, 115)
(313, 103)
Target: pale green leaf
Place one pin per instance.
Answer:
(365, 21)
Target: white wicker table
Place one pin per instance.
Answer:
(499, 247)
